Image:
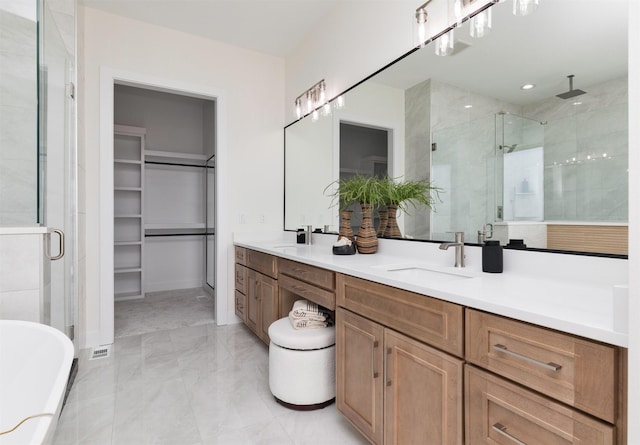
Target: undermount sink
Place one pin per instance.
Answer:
(417, 272)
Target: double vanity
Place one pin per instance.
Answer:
(430, 353)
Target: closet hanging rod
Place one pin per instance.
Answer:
(178, 164)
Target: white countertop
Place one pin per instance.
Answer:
(585, 306)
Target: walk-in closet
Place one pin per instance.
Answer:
(164, 209)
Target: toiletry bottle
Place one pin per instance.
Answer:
(492, 257)
(301, 237)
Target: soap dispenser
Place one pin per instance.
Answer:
(492, 257)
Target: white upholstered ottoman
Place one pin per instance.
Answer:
(302, 365)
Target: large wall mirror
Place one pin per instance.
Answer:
(547, 164)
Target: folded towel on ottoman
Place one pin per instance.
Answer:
(306, 314)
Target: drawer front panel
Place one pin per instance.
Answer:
(241, 255)
(575, 371)
(435, 322)
(500, 412)
(241, 278)
(308, 292)
(262, 262)
(240, 305)
(314, 275)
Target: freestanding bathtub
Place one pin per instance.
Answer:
(35, 361)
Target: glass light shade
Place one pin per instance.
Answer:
(421, 30)
(445, 43)
(524, 7)
(480, 24)
(326, 109)
(298, 108)
(315, 116)
(458, 9)
(340, 102)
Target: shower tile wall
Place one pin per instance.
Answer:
(18, 113)
(463, 163)
(586, 148)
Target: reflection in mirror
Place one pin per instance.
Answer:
(546, 164)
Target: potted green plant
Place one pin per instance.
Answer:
(402, 194)
(368, 192)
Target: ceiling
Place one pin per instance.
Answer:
(273, 27)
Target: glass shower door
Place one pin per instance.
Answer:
(58, 160)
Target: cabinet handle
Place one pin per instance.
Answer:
(386, 368)
(298, 270)
(500, 428)
(374, 373)
(550, 366)
(299, 288)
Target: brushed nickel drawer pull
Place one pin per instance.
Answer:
(500, 428)
(298, 270)
(299, 288)
(550, 366)
(374, 373)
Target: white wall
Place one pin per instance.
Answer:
(253, 89)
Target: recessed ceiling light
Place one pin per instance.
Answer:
(468, 106)
(527, 86)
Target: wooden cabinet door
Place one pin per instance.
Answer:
(423, 401)
(268, 305)
(240, 303)
(252, 309)
(359, 373)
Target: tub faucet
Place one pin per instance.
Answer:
(459, 245)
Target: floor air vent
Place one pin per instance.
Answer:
(100, 352)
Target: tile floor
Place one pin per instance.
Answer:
(196, 384)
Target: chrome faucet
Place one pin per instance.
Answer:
(459, 245)
(486, 233)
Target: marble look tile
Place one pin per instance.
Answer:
(202, 384)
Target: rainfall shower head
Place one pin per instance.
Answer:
(571, 93)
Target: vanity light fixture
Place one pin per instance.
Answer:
(314, 98)
(480, 24)
(421, 20)
(524, 7)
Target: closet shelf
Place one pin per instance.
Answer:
(178, 232)
(127, 243)
(126, 215)
(127, 189)
(127, 270)
(127, 161)
(174, 156)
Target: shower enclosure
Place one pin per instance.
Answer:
(38, 161)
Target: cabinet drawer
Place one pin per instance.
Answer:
(308, 292)
(241, 278)
(435, 322)
(498, 411)
(262, 262)
(311, 274)
(578, 372)
(241, 255)
(241, 301)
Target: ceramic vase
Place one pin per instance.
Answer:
(382, 213)
(345, 225)
(367, 240)
(392, 230)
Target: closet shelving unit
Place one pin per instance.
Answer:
(128, 221)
